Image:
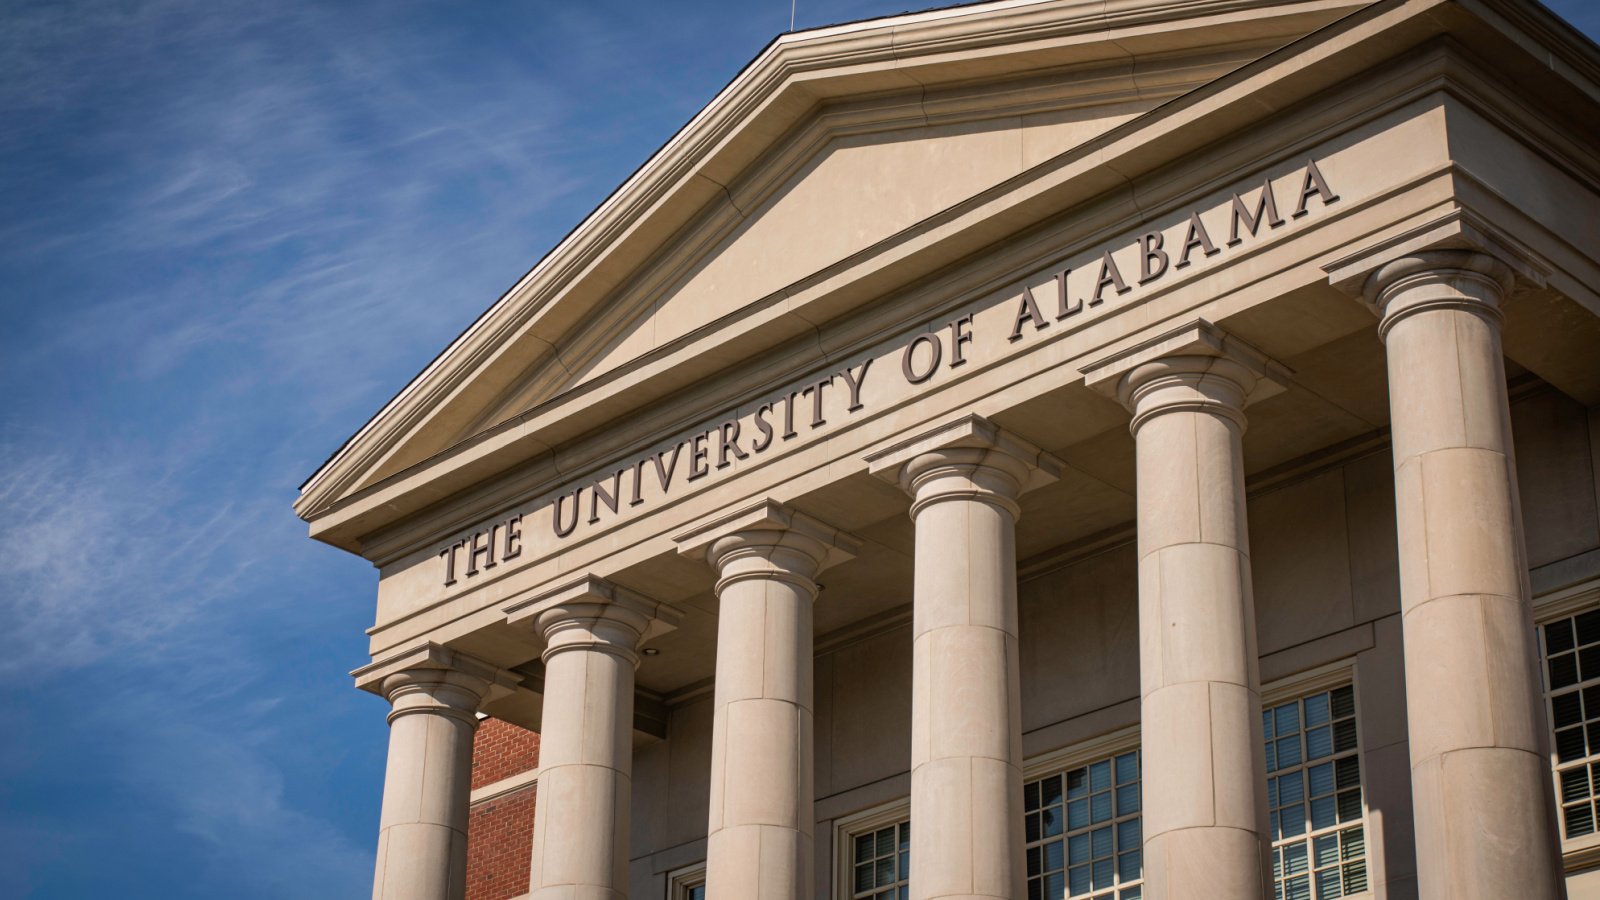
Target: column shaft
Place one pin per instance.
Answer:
(1485, 820)
(760, 843)
(422, 837)
(966, 713)
(1204, 771)
(592, 630)
(585, 778)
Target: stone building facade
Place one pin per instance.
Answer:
(1033, 449)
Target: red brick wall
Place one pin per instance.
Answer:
(500, 846)
(500, 829)
(502, 750)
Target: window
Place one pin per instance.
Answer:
(1083, 832)
(880, 861)
(1571, 650)
(1314, 795)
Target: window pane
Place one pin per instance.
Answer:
(1344, 736)
(1589, 663)
(1563, 670)
(1353, 842)
(1355, 877)
(1100, 808)
(1128, 836)
(885, 872)
(1127, 768)
(1053, 853)
(1579, 820)
(1569, 744)
(1286, 718)
(1130, 866)
(1321, 779)
(1344, 701)
(1574, 785)
(1100, 776)
(1317, 710)
(1558, 637)
(1294, 858)
(1588, 627)
(1319, 743)
(1050, 791)
(1127, 799)
(1289, 752)
(1327, 850)
(1322, 813)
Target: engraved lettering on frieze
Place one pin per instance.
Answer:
(484, 549)
(804, 410)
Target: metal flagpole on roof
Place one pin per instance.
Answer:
(791, 14)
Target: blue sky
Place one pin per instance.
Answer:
(230, 232)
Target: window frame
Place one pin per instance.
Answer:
(1083, 753)
(848, 828)
(682, 880)
(1581, 852)
(1315, 681)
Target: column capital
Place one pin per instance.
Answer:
(1458, 261)
(1196, 367)
(970, 458)
(591, 613)
(434, 678)
(768, 540)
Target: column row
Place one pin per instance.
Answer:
(1485, 823)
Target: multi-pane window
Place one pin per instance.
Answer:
(1314, 794)
(1083, 832)
(1572, 671)
(881, 864)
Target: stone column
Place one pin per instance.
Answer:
(1205, 810)
(592, 630)
(422, 831)
(966, 720)
(759, 842)
(1480, 776)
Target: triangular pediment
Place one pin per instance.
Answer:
(806, 172)
(828, 142)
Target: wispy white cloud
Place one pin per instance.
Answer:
(99, 563)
